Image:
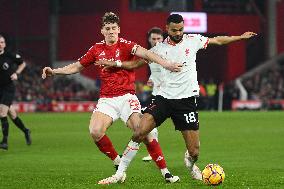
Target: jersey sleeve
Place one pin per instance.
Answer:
(88, 58)
(17, 59)
(202, 41)
(157, 50)
(130, 46)
(153, 50)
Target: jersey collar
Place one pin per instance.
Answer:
(168, 41)
(111, 46)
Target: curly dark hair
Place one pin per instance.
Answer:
(175, 18)
(110, 18)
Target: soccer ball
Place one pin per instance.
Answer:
(213, 174)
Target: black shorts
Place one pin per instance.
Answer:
(148, 102)
(7, 94)
(183, 112)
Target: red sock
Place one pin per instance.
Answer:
(106, 147)
(156, 153)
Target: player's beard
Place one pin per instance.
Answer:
(176, 38)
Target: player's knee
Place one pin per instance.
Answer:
(3, 114)
(141, 132)
(96, 133)
(138, 136)
(149, 119)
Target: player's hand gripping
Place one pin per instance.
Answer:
(106, 64)
(248, 35)
(150, 83)
(46, 72)
(174, 67)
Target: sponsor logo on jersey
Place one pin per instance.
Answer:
(186, 52)
(102, 53)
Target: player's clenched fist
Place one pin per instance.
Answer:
(46, 72)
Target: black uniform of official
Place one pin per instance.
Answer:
(9, 63)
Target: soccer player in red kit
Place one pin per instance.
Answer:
(117, 94)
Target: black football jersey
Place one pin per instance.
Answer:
(9, 63)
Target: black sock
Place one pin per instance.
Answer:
(5, 129)
(18, 122)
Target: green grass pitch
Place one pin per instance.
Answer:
(248, 145)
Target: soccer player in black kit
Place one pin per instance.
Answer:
(11, 65)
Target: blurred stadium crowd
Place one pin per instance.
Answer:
(31, 88)
(263, 85)
(268, 84)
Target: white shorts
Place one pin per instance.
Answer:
(119, 107)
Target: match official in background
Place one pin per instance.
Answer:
(11, 65)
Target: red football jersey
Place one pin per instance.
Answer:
(114, 81)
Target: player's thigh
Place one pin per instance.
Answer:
(12, 112)
(107, 106)
(184, 114)
(146, 125)
(159, 109)
(142, 126)
(99, 123)
(133, 121)
(7, 95)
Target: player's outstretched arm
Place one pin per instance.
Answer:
(144, 53)
(66, 70)
(129, 65)
(223, 40)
